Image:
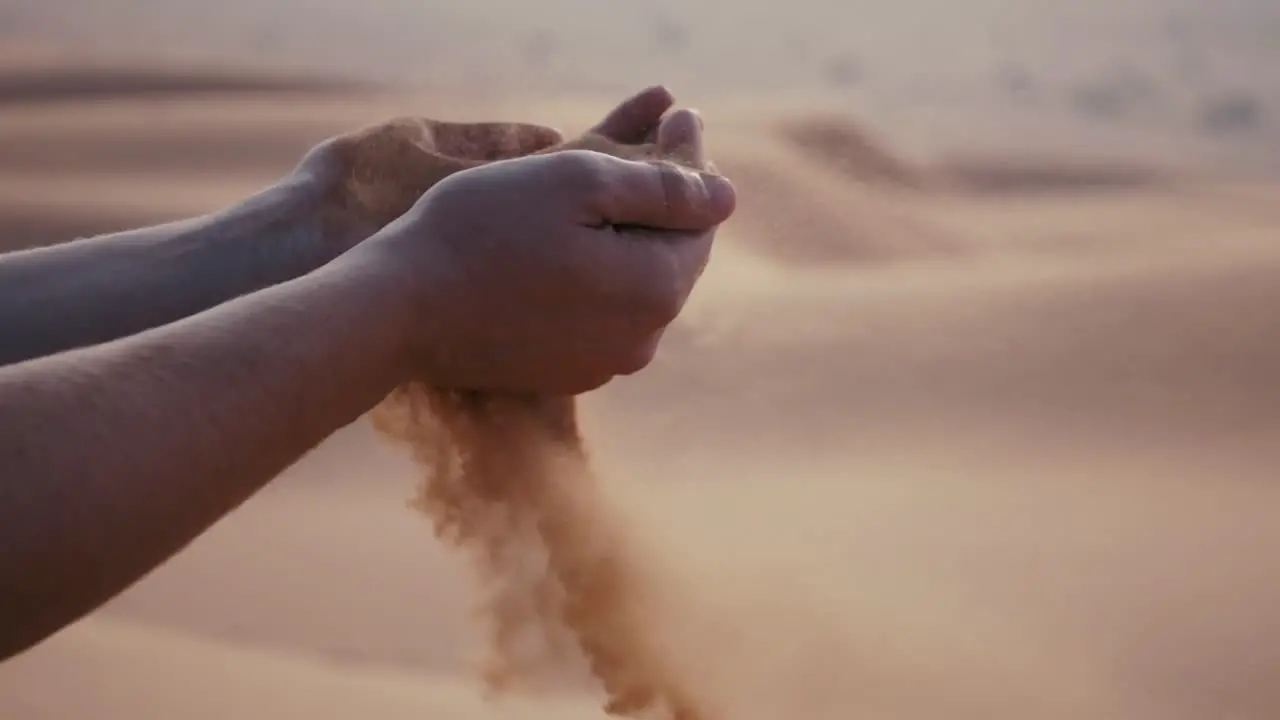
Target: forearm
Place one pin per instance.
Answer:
(223, 402)
(95, 290)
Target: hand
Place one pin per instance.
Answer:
(367, 178)
(553, 274)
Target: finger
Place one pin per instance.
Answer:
(637, 116)
(661, 196)
(690, 254)
(640, 356)
(671, 267)
(680, 137)
(652, 136)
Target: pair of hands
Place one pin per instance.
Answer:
(553, 273)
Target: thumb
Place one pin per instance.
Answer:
(658, 195)
(635, 117)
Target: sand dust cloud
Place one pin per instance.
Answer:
(509, 482)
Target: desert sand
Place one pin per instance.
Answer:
(974, 423)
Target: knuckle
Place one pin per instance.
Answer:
(584, 171)
(681, 189)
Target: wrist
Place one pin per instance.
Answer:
(304, 201)
(339, 227)
(413, 288)
(292, 225)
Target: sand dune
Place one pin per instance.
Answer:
(77, 83)
(801, 213)
(1020, 175)
(124, 670)
(1021, 471)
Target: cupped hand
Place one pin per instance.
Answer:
(369, 177)
(555, 273)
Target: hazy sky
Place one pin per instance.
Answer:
(746, 43)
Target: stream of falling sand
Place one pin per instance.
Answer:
(507, 479)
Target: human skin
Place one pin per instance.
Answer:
(99, 289)
(235, 377)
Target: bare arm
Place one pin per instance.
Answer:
(223, 401)
(519, 276)
(98, 289)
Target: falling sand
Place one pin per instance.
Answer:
(507, 478)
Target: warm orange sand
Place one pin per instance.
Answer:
(991, 440)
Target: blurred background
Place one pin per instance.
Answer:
(973, 415)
